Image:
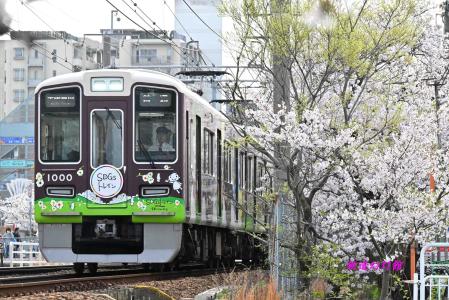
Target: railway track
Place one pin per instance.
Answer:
(9, 272)
(33, 270)
(20, 286)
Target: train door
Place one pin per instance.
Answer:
(108, 153)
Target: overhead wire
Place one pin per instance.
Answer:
(177, 19)
(207, 25)
(151, 20)
(201, 53)
(44, 54)
(143, 28)
(171, 42)
(40, 46)
(42, 20)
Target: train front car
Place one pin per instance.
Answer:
(109, 167)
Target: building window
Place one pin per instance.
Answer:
(54, 73)
(146, 55)
(77, 53)
(36, 54)
(208, 149)
(19, 95)
(19, 53)
(19, 74)
(54, 55)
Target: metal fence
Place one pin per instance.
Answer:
(284, 264)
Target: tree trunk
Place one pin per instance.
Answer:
(385, 285)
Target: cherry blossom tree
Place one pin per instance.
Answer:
(18, 208)
(359, 131)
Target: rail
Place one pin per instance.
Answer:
(69, 282)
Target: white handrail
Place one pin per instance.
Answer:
(422, 277)
(25, 250)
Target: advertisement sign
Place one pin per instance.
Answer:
(16, 163)
(16, 140)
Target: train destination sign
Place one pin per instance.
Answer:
(106, 181)
(155, 99)
(60, 100)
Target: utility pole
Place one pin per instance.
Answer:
(281, 97)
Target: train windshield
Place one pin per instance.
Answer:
(107, 137)
(155, 125)
(60, 126)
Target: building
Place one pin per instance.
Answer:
(32, 56)
(29, 58)
(158, 50)
(211, 44)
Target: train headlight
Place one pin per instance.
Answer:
(154, 191)
(106, 84)
(60, 191)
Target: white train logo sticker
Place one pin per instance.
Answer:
(106, 181)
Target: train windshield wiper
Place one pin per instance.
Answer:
(145, 153)
(114, 119)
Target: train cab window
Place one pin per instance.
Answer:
(59, 137)
(107, 137)
(155, 125)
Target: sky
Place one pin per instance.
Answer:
(84, 16)
(78, 17)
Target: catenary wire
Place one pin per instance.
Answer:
(140, 26)
(44, 54)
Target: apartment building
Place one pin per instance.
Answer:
(26, 60)
(163, 51)
(32, 56)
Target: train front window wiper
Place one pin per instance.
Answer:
(145, 152)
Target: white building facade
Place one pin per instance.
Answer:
(28, 59)
(32, 57)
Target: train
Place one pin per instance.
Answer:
(132, 166)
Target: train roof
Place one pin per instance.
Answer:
(130, 76)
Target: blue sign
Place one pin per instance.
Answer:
(16, 140)
(16, 163)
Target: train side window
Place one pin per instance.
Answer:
(60, 126)
(198, 163)
(249, 175)
(208, 159)
(249, 188)
(236, 181)
(227, 163)
(242, 170)
(219, 172)
(187, 162)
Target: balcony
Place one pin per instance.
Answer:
(34, 82)
(150, 61)
(35, 62)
